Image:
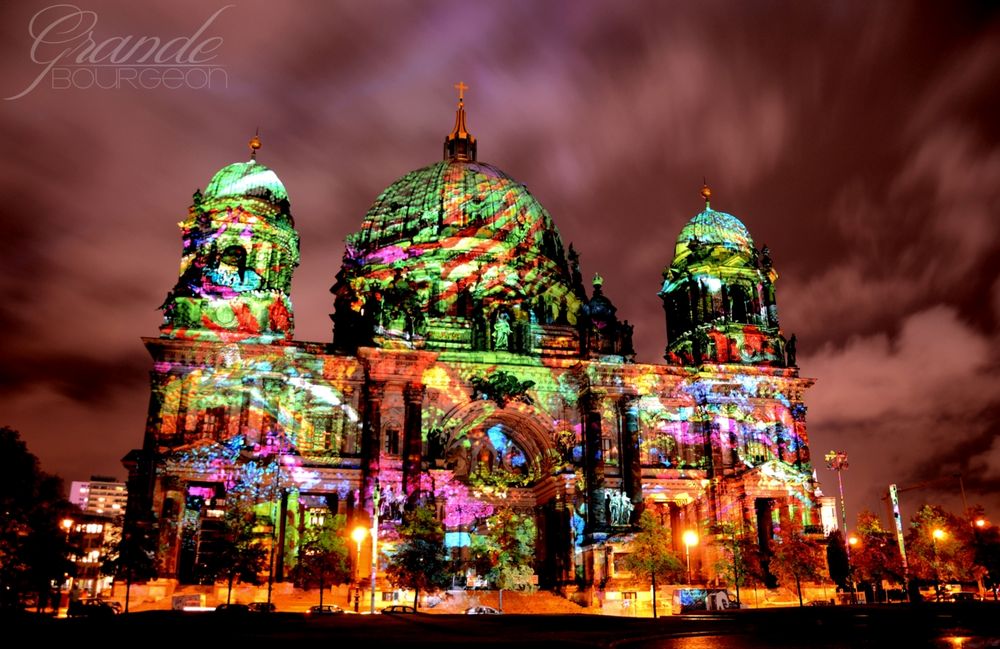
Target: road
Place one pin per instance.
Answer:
(971, 625)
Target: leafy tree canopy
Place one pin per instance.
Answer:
(419, 562)
(652, 555)
(33, 548)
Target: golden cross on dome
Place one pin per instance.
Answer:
(461, 88)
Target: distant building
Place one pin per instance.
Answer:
(91, 537)
(102, 496)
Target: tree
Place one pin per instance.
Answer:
(323, 558)
(129, 554)
(797, 557)
(238, 551)
(949, 556)
(837, 563)
(505, 554)
(651, 553)
(33, 549)
(986, 541)
(739, 558)
(419, 562)
(876, 556)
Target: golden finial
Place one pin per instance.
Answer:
(706, 191)
(255, 144)
(461, 88)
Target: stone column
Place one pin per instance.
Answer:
(279, 559)
(798, 434)
(371, 447)
(676, 533)
(412, 439)
(562, 538)
(596, 511)
(631, 467)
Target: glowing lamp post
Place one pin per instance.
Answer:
(937, 535)
(67, 524)
(852, 542)
(690, 538)
(376, 497)
(358, 535)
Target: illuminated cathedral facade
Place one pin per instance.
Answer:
(470, 369)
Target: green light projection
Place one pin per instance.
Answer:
(240, 248)
(460, 253)
(719, 297)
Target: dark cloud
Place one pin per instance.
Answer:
(857, 140)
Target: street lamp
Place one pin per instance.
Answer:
(376, 497)
(852, 541)
(936, 536)
(67, 524)
(358, 535)
(690, 538)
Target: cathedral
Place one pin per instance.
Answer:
(471, 369)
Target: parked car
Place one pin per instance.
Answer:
(482, 610)
(91, 607)
(332, 609)
(263, 607)
(398, 608)
(232, 609)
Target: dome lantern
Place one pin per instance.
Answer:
(460, 144)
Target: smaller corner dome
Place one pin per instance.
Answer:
(248, 179)
(713, 228)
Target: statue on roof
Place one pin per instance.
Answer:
(790, 352)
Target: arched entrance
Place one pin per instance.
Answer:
(499, 463)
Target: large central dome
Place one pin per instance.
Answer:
(463, 225)
(457, 237)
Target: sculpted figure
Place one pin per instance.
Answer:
(501, 333)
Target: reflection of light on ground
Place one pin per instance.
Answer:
(736, 641)
(705, 642)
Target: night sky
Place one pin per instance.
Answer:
(859, 140)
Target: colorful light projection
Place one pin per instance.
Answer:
(456, 239)
(470, 370)
(718, 294)
(240, 248)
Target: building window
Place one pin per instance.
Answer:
(319, 440)
(349, 436)
(392, 441)
(211, 423)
